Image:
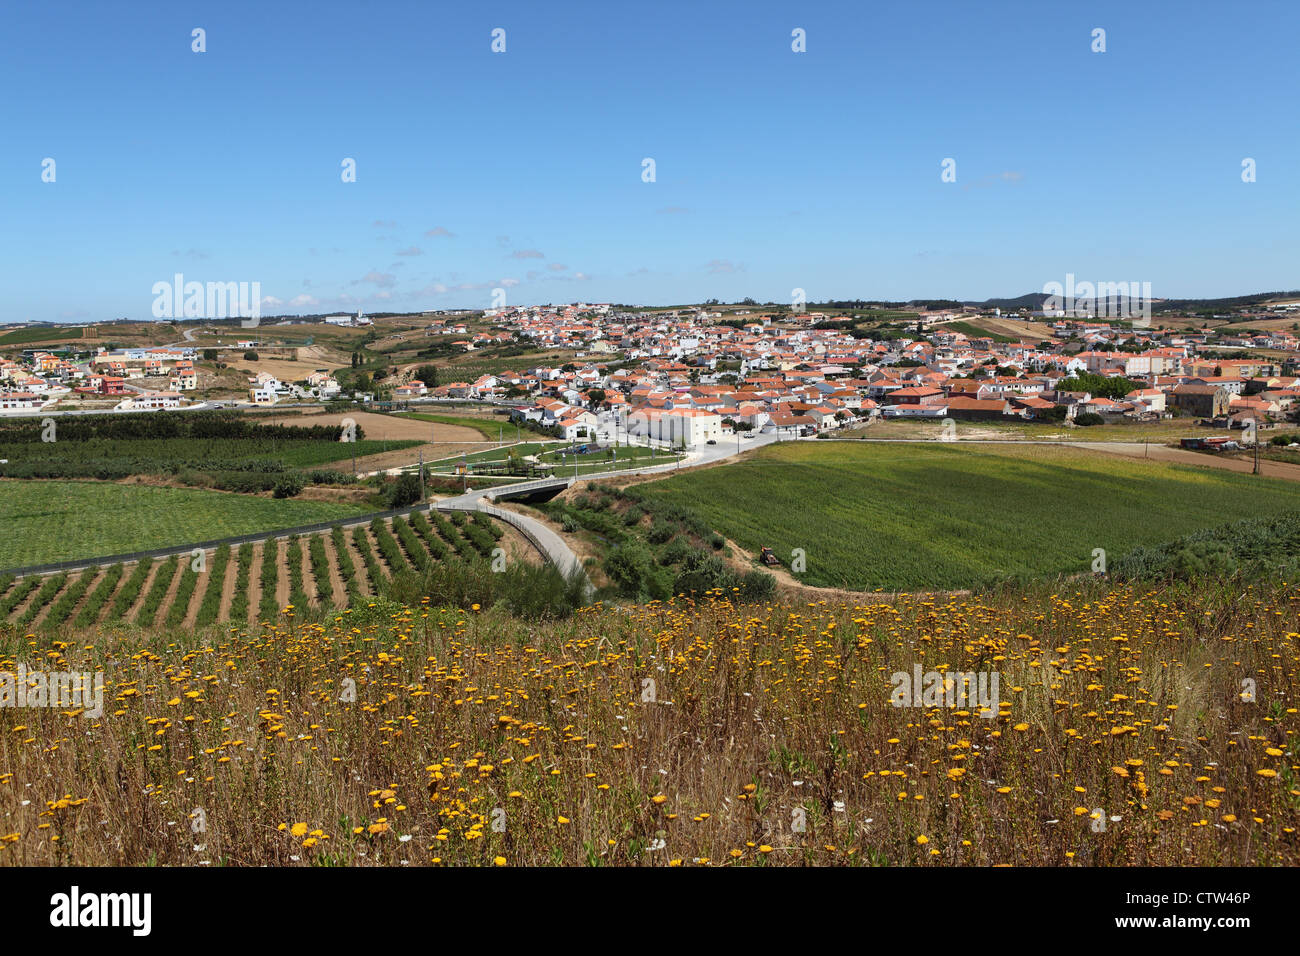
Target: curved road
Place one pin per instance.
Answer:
(552, 545)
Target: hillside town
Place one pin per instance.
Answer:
(692, 376)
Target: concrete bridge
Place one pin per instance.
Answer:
(550, 544)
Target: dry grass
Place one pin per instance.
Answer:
(675, 734)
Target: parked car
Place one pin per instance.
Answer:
(711, 441)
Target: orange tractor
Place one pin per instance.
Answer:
(768, 557)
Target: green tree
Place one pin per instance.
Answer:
(428, 374)
(404, 491)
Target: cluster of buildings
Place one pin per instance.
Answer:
(688, 376)
(265, 388)
(39, 379)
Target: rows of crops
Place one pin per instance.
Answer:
(312, 573)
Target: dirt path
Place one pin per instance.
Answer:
(127, 569)
(129, 614)
(255, 583)
(338, 588)
(182, 568)
(359, 575)
(95, 573)
(228, 592)
(376, 426)
(21, 607)
(282, 578)
(72, 579)
(1180, 456)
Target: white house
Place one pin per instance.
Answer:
(20, 401)
(678, 426)
(148, 401)
(263, 393)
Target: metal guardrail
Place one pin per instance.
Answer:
(129, 557)
(525, 487)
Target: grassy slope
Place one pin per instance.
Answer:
(60, 520)
(910, 517)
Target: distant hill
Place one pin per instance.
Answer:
(1034, 301)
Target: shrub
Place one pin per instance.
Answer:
(659, 532)
(89, 612)
(153, 598)
(373, 570)
(180, 605)
(239, 598)
(269, 607)
(320, 570)
(630, 567)
(411, 544)
(347, 570)
(49, 588)
(126, 597)
(387, 546)
(293, 558)
(211, 604)
(675, 552)
(405, 491)
(289, 485)
(426, 531)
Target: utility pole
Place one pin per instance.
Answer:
(1256, 471)
(421, 474)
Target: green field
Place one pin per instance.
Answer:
(40, 334)
(911, 517)
(204, 449)
(44, 521)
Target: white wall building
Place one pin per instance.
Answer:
(691, 426)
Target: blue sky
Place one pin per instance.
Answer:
(523, 170)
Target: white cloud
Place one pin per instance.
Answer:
(382, 279)
(723, 267)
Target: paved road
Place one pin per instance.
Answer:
(551, 544)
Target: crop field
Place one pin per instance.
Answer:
(311, 574)
(155, 456)
(44, 521)
(911, 517)
(200, 448)
(1117, 733)
(36, 334)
